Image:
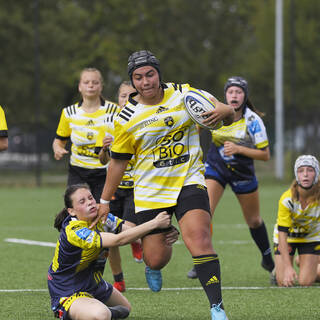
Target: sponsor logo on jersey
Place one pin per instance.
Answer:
(148, 122)
(171, 162)
(90, 135)
(83, 233)
(111, 223)
(169, 121)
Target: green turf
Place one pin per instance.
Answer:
(28, 213)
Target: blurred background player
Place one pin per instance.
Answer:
(155, 129)
(81, 123)
(3, 131)
(77, 289)
(230, 160)
(122, 204)
(298, 226)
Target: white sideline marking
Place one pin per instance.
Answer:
(169, 289)
(31, 242)
(223, 242)
(52, 244)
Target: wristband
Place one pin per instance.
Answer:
(104, 201)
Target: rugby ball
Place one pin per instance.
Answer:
(197, 102)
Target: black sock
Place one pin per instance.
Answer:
(119, 312)
(208, 272)
(260, 237)
(118, 277)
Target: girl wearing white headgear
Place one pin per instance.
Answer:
(298, 226)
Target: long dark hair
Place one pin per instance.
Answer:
(254, 109)
(60, 217)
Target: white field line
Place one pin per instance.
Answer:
(52, 244)
(31, 242)
(169, 289)
(233, 242)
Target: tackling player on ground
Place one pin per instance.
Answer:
(76, 288)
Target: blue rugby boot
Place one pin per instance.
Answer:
(217, 313)
(154, 279)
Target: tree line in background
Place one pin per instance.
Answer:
(46, 43)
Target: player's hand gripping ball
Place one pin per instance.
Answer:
(196, 103)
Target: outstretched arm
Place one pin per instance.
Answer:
(162, 220)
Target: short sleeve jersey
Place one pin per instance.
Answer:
(127, 179)
(166, 147)
(249, 131)
(83, 129)
(72, 269)
(3, 124)
(302, 225)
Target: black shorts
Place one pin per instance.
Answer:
(303, 248)
(122, 205)
(95, 178)
(191, 197)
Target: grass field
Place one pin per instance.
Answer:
(27, 213)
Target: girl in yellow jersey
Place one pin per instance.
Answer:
(81, 123)
(298, 226)
(3, 131)
(155, 128)
(77, 290)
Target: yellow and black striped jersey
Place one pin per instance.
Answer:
(127, 179)
(73, 265)
(83, 129)
(165, 143)
(3, 124)
(302, 225)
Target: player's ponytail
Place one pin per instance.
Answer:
(63, 214)
(60, 217)
(251, 106)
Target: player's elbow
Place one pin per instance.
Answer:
(265, 155)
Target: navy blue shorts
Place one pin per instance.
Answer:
(237, 186)
(61, 305)
(191, 197)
